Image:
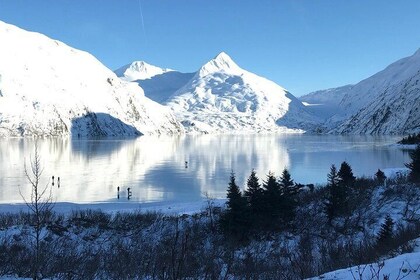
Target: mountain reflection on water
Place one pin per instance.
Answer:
(183, 168)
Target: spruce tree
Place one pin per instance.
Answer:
(286, 180)
(346, 187)
(271, 196)
(288, 202)
(332, 177)
(235, 218)
(385, 235)
(346, 176)
(271, 185)
(337, 196)
(253, 194)
(234, 195)
(414, 165)
(380, 176)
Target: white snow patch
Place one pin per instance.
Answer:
(405, 266)
(113, 207)
(140, 70)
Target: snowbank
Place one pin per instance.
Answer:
(111, 207)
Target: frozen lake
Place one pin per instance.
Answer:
(155, 170)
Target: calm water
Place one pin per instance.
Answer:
(154, 168)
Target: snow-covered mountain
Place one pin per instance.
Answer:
(139, 70)
(221, 97)
(325, 103)
(161, 87)
(158, 83)
(385, 103)
(49, 88)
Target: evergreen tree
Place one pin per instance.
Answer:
(380, 176)
(271, 185)
(288, 201)
(385, 235)
(234, 194)
(346, 176)
(235, 218)
(271, 196)
(414, 165)
(332, 177)
(286, 181)
(253, 194)
(337, 196)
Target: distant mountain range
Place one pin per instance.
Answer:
(385, 103)
(50, 89)
(158, 83)
(221, 97)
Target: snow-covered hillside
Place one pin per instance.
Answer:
(325, 103)
(405, 266)
(385, 103)
(139, 70)
(395, 111)
(161, 87)
(158, 83)
(223, 98)
(48, 88)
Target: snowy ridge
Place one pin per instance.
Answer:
(332, 96)
(50, 89)
(158, 83)
(139, 70)
(224, 98)
(386, 103)
(325, 103)
(222, 62)
(396, 111)
(377, 85)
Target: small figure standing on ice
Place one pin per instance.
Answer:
(53, 180)
(58, 181)
(118, 192)
(129, 194)
(186, 164)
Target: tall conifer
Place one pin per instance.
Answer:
(235, 218)
(254, 196)
(336, 199)
(414, 165)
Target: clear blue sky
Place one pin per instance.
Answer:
(301, 45)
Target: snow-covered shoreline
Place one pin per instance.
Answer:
(169, 207)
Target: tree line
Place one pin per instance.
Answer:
(411, 139)
(272, 204)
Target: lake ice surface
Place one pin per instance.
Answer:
(183, 168)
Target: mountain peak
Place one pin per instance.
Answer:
(222, 62)
(140, 70)
(223, 57)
